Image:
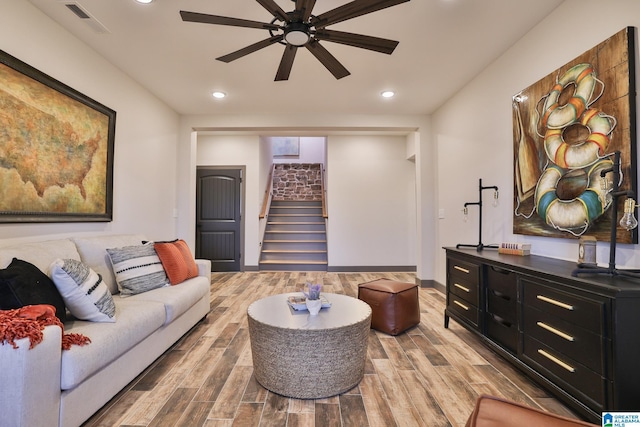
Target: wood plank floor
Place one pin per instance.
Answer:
(428, 376)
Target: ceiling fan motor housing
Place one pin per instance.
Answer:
(296, 33)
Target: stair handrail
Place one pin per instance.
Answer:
(268, 192)
(325, 215)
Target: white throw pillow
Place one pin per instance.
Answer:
(84, 293)
(137, 269)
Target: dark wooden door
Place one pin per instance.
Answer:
(218, 193)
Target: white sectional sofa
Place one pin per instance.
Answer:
(47, 386)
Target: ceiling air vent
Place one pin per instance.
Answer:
(82, 13)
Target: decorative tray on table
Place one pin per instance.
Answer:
(298, 303)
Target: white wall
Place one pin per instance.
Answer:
(473, 130)
(146, 129)
(239, 150)
(371, 194)
(373, 167)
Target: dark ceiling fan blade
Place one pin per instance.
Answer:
(224, 20)
(357, 40)
(274, 9)
(328, 60)
(352, 10)
(304, 8)
(286, 63)
(250, 49)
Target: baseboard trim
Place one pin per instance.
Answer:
(430, 283)
(373, 269)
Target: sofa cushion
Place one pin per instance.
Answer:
(177, 299)
(40, 254)
(137, 268)
(22, 283)
(177, 260)
(136, 321)
(83, 291)
(93, 252)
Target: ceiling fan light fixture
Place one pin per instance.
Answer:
(296, 34)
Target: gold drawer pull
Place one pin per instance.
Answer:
(461, 305)
(556, 360)
(555, 331)
(464, 288)
(555, 302)
(464, 270)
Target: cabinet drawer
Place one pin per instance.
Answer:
(503, 282)
(587, 313)
(463, 309)
(567, 338)
(502, 305)
(467, 272)
(575, 378)
(502, 332)
(464, 289)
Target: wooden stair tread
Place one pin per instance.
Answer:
(297, 262)
(294, 251)
(294, 223)
(295, 232)
(293, 241)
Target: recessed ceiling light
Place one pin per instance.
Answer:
(218, 94)
(144, 1)
(387, 94)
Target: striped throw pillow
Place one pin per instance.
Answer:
(84, 293)
(137, 269)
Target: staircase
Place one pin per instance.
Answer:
(295, 237)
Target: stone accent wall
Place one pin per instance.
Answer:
(297, 181)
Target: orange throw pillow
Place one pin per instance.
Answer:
(177, 260)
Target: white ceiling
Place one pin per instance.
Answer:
(443, 45)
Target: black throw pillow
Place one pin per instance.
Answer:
(22, 283)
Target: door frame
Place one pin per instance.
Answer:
(243, 173)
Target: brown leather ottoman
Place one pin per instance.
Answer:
(394, 305)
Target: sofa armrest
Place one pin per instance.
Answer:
(204, 268)
(30, 381)
(496, 412)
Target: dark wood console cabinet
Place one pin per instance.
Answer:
(579, 337)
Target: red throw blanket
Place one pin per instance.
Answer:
(29, 321)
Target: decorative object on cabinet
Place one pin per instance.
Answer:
(465, 211)
(587, 251)
(627, 222)
(575, 336)
(565, 127)
(56, 163)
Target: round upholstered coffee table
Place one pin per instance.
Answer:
(309, 357)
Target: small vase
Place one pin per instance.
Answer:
(314, 306)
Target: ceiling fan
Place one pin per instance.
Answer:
(301, 28)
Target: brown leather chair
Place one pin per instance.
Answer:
(496, 412)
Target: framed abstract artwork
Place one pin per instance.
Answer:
(56, 149)
(566, 128)
(286, 146)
